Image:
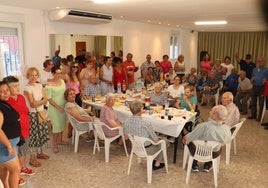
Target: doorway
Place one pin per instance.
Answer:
(79, 46)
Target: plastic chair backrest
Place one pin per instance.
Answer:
(80, 126)
(204, 149)
(98, 127)
(237, 127)
(138, 145)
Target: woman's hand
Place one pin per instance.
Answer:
(11, 151)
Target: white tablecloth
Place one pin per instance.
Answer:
(168, 127)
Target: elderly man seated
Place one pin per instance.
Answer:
(233, 112)
(212, 130)
(243, 93)
(135, 125)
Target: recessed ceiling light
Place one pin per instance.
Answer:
(159, 23)
(177, 26)
(148, 20)
(168, 24)
(222, 22)
(121, 16)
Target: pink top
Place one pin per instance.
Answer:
(108, 113)
(206, 65)
(165, 66)
(73, 85)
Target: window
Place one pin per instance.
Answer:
(174, 47)
(9, 52)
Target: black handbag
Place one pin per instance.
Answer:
(21, 142)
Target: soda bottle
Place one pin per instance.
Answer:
(124, 87)
(118, 87)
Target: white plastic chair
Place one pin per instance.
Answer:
(79, 128)
(217, 95)
(233, 138)
(203, 153)
(107, 141)
(139, 149)
(263, 110)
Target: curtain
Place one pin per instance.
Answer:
(221, 44)
(118, 44)
(100, 45)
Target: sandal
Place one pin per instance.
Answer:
(35, 163)
(42, 156)
(22, 181)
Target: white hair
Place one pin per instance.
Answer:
(221, 111)
(109, 95)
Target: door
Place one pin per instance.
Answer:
(79, 46)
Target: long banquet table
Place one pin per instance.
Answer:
(164, 126)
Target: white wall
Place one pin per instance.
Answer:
(138, 38)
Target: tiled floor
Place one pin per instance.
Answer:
(247, 169)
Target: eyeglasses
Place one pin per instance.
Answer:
(75, 67)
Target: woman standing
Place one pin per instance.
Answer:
(9, 138)
(165, 64)
(85, 74)
(106, 76)
(158, 71)
(206, 63)
(72, 82)
(179, 66)
(55, 93)
(36, 99)
(119, 74)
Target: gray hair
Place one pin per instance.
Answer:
(229, 95)
(158, 84)
(109, 95)
(135, 106)
(221, 111)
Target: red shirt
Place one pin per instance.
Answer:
(20, 106)
(165, 66)
(129, 67)
(118, 77)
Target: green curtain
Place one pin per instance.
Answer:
(100, 45)
(221, 44)
(118, 44)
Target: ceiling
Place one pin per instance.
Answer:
(242, 15)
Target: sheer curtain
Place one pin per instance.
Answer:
(100, 45)
(220, 44)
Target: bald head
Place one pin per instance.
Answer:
(227, 98)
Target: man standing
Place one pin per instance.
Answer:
(135, 125)
(81, 59)
(246, 65)
(130, 68)
(233, 112)
(144, 66)
(46, 74)
(243, 92)
(56, 58)
(259, 77)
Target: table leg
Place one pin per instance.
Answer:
(175, 149)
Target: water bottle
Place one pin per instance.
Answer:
(118, 87)
(124, 86)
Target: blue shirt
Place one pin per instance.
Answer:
(259, 74)
(232, 81)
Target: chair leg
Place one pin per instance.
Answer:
(107, 150)
(185, 156)
(124, 142)
(234, 141)
(228, 152)
(215, 171)
(263, 110)
(164, 150)
(149, 169)
(129, 163)
(73, 137)
(189, 167)
(96, 144)
(76, 141)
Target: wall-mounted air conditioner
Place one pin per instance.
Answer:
(80, 16)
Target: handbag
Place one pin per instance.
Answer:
(42, 116)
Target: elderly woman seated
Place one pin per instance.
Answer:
(188, 100)
(109, 117)
(210, 89)
(80, 114)
(158, 97)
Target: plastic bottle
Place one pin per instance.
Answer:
(124, 87)
(118, 87)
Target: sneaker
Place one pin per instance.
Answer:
(207, 169)
(27, 171)
(195, 168)
(158, 167)
(22, 182)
